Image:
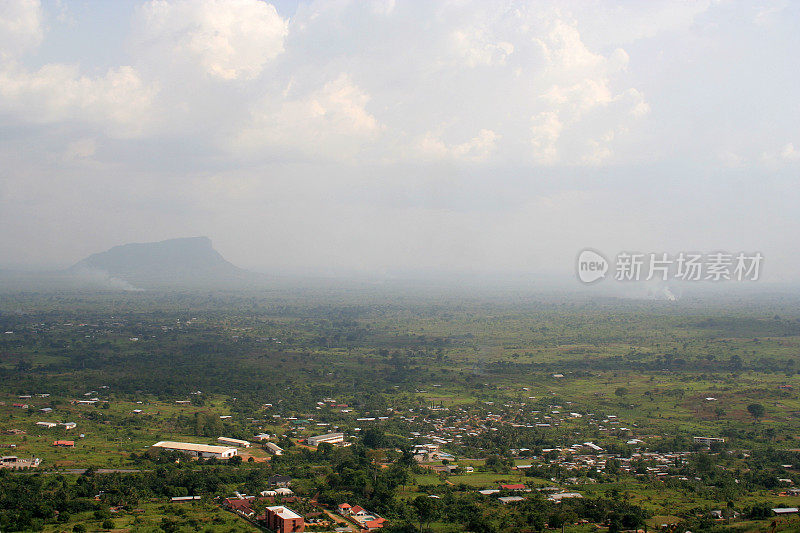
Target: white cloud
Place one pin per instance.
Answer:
(580, 97)
(423, 94)
(639, 106)
(383, 7)
(776, 158)
(227, 39)
(618, 60)
(477, 149)
(565, 50)
(331, 121)
(581, 115)
(599, 150)
(545, 131)
(790, 153)
(118, 101)
(20, 26)
(475, 48)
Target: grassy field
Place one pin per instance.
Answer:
(157, 517)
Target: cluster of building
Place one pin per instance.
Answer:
(50, 425)
(278, 518)
(554, 494)
(12, 462)
(708, 441)
(583, 459)
(454, 426)
(365, 519)
(335, 439)
(228, 448)
(459, 428)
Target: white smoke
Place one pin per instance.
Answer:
(97, 277)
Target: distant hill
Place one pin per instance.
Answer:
(174, 262)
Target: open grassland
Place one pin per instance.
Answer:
(158, 517)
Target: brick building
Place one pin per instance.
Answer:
(283, 520)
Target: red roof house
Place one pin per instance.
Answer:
(374, 524)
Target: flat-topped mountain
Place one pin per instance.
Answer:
(186, 261)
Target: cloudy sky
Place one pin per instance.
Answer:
(394, 136)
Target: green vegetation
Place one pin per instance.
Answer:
(600, 398)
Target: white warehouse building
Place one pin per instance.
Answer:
(198, 450)
(330, 438)
(234, 442)
(273, 448)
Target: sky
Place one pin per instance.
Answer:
(386, 137)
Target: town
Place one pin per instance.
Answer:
(557, 446)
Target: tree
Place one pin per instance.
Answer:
(427, 511)
(756, 410)
(559, 519)
(759, 511)
(374, 438)
(402, 527)
(612, 467)
(496, 463)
